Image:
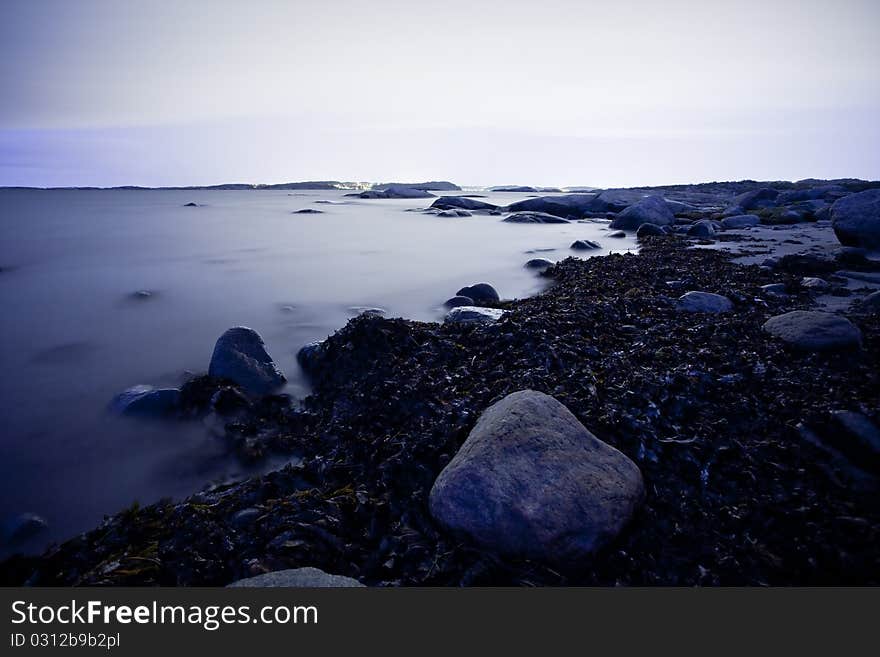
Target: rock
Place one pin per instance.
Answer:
(309, 356)
(826, 192)
(367, 310)
(858, 438)
(479, 292)
(473, 315)
(775, 290)
(21, 527)
(229, 402)
(142, 295)
(617, 233)
(514, 188)
(756, 198)
(394, 191)
(865, 276)
(649, 230)
(870, 303)
(539, 263)
(191, 205)
(534, 218)
(702, 228)
(814, 330)
(297, 578)
(462, 202)
(146, 401)
(246, 517)
(432, 185)
(458, 301)
(815, 284)
(531, 481)
(585, 245)
(740, 221)
(703, 302)
(856, 219)
(308, 211)
(567, 205)
(240, 356)
(649, 210)
(454, 213)
(614, 200)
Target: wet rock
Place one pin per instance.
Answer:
(539, 263)
(21, 527)
(297, 578)
(394, 191)
(240, 356)
(870, 303)
(649, 210)
(367, 310)
(480, 293)
(534, 218)
(617, 234)
(702, 228)
(229, 401)
(614, 200)
(814, 330)
(462, 202)
(585, 245)
(142, 295)
(740, 221)
(308, 211)
(191, 205)
(703, 302)
(310, 355)
(532, 481)
(856, 219)
(815, 284)
(473, 315)
(454, 213)
(774, 290)
(146, 401)
(457, 301)
(756, 198)
(565, 206)
(649, 230)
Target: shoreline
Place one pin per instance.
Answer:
(743, 498)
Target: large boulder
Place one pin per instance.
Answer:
(649, 230)
(740, 221)
(539, 263)
(462, 203)
(240, 356)
(146, 401)
(703, 302)
(479, 292)
(585, 245)
(297, 578)
(614, 200)
(534, 218)
(473, 315)
(756, 198)
(567, 205)
(649, 210)
(812, 330)
(856, 219)
(531, 481)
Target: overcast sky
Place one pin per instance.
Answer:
(559, 92)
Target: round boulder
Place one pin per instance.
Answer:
(812, 330)
(240, 356)
(473, 315)
(479, 292)
(585, 245)
(649, 230)
(649, 210)
(146, 401)
(704, 302)
(531, 481)
(856, 219)
(539, 263)
(740, 221)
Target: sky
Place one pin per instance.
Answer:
(559, 92)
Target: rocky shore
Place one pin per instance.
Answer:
(703, 412)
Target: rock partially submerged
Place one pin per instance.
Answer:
(812, 330)
(740, 221)
(462, 203)
(539, 263)
(534, 218)
(473, 315)
(297, 578)
(531, 481)
(565, 206)
(458, 301)
(393, 191)
(479, 292)
(146, 401)
(649, 210)
(240, 356)
(585, 245)
(649, 230)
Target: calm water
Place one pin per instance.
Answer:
(72, 336)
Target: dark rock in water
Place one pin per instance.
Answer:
(775, 290)
(585, 245)
(240, 356)
(565, 206)
(462, 202)
(534, 218)
(308, 211)
(811, 330)
(310, 355)
(191, 205)
(142, 295)
(479, 292)
(815, 284)
(21, 527)
(871, 303)
(617, 233)
(539, 263)
(514, 188)
(229, 401)
(297, 578)
(857, 437)
(649, 210)
(473, 315)
(394, 191)
(704, 302)
(531, 481)
(702, 228)
(458, 301)
(740, 221)
(432, 185)
(146, 401)
(649, 230)
(454, 213)
(856, 219)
